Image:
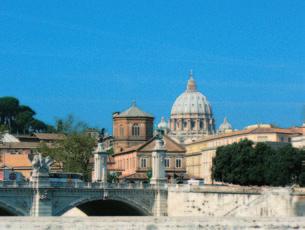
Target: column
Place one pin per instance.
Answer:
(158, 167)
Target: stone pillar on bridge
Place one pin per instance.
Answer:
(42, 201)
(158, 179)
(100, 165)
(158, 167)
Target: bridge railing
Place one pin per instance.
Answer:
(96, 185)
(14, 184)
(81, 185)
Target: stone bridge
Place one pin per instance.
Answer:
(54, 199)
(100, 199)
(43, 197)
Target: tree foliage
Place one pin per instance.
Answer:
(247, 164)
(19, 118)
(70, 125)
(75, 151)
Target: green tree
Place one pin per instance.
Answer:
(23, 121)
(285, 166)
(75, 151)
(19, 118)
(70, 125)
(9, 107)
(38, 126)
(245, 164)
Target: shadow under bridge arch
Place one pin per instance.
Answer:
(8, 210)
(107, 207)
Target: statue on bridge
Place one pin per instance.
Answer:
(41, 165)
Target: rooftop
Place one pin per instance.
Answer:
(255, 129)
(134, 111)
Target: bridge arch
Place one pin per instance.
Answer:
(113, 201)
(8, 210)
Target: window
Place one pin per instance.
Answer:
(143, 162)
(121, 131)
(178, 163)
(166, 163)
(201, 124)
(135, 130)
(192, 124)
(184, 124)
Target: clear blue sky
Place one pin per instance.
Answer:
(92, 58)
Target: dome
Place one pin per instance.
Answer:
(225, 126)
(191, 101)
(163, 124)
(191, 115)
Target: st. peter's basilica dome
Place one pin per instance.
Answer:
(191, 114)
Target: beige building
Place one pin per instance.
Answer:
(15, 150)
(299, 141)
(199, 154)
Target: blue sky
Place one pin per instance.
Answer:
(91, 58)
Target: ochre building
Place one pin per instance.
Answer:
(199, 154)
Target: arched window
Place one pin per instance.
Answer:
(121, 130)
(135, 130)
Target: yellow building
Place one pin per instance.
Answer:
(199, 154)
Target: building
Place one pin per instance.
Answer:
(131, 127)
(136, 162)
(191, 115)
(15, 151)
(199, 154)
(299, 140)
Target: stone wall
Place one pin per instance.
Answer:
(218, 201)
(149, 223)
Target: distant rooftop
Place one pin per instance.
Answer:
(134, 111)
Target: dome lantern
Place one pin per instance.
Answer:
(191, 84)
